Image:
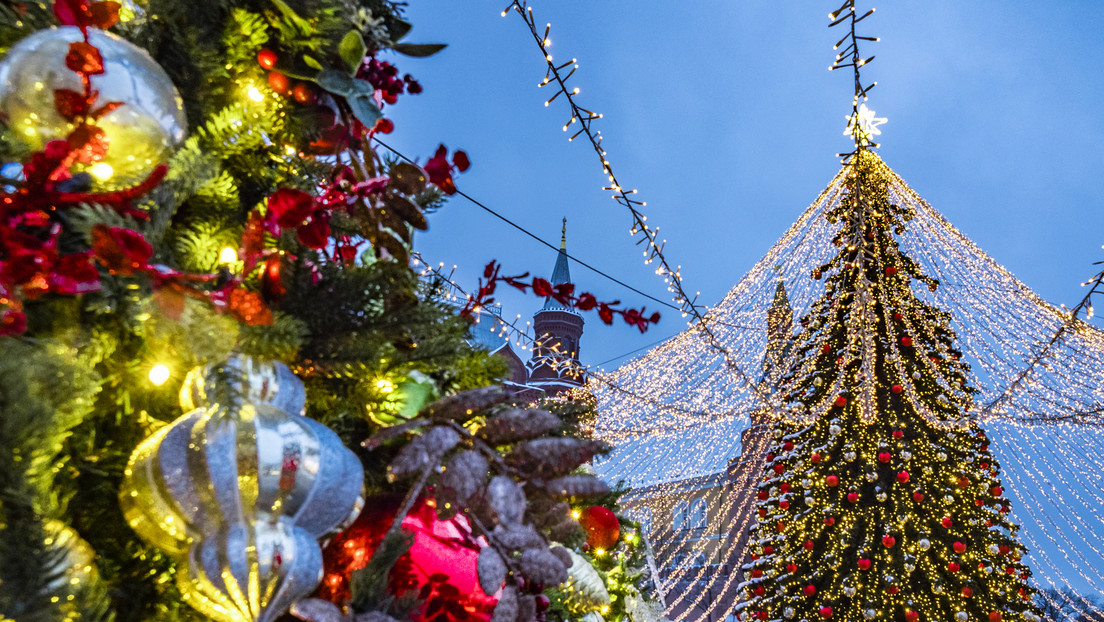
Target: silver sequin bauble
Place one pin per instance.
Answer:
(242, 490)
(141, 132)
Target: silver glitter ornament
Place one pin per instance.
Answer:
(141, 133)
(240, 489)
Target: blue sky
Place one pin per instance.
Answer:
(723, 115)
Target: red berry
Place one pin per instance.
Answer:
(967, 592)
(826, 612)
(884, 456)
(946, 522)
(959, 547)
(896, 389)
(810, 590)
(864, 564)
(303, 93)
(832, 480)
(266, 58)
(889, 541)
(853, 497)
(841, 401)
(918, 497)
(903, 477)
(384, 126)
(278, 81)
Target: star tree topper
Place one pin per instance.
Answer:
(862, 125)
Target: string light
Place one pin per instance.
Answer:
(159, 374)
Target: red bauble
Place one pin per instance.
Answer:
(439, 568)
(784, 505)
(266, 58)
(781, 527)
(768, 550)
(278, 81)
(967, 592)
(952, 567)
(889, 541)
(906, 341)
(304, 94)
(762, 615)
(959, 547)
(762, 512)
(784, 488)
(946, 522)
(808, 545)
(891, 270)
(826, 349)
(841, 401)
(780, 468)
(884, 456)
(758, 591)
(897, 389)
(602, 527)
(995, 616)
(853, 497)
(997, 490)
(893, 589)
(898, 434)
(830, 521)
(918, 497)
(788, 445)
(832, 480)
(826, 612)
(897, 315)
(903, 477)
(815, 459)
(810, 590)
(756, 573)
(791, 568)
(912, 616)
(864, 564)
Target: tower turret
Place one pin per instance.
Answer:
(558, 329)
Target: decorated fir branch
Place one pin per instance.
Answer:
(221, 211)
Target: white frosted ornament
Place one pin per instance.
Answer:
(806, 483)
(849, 591)
(942, 457)
(881, 496)
(961, 616)
(788, 613)
(870, 477)
(834, 429)
(993, 549)
(141, 133)
(869, 614)
(906, 455)
(937, 588)
(849, 456)
(948, 499)
(924, 543)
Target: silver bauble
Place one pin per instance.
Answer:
(584, 590)
(244, 488)
(141, 132)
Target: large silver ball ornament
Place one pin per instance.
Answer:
(141, 133)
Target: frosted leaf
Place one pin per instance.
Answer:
(463, 406)
(507, 608)
(517, 425)
(423, 452)
(491, 569)
(507, 500)
(465, 475)
(541, 566)
(577, 486)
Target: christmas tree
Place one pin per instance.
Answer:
(194, 221)
(880, 500)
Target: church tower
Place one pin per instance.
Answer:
(555, 363)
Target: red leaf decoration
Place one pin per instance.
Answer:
(542, 288)
(70, 104)
(249, 307)
(290, 207)
(82, 13)
(315, 232)
(461, 161)
(74, 274)
(88, 143)
(84, 58)
(121, 251)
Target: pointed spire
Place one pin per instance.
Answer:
(560, 273)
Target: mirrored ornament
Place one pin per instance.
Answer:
(942, 457)
(869, 614)
(849, 591)
(993, 549)
(915, 375)
(806, 483)
(240, 491)
(906, 455)
(834, 429)
(948, 499)
(924, 544)
(937, 588)
(788, 613)
(141, 133)
(961, 616)
(881, 496)
(871, 477)
(849, 456)
(910, 567)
